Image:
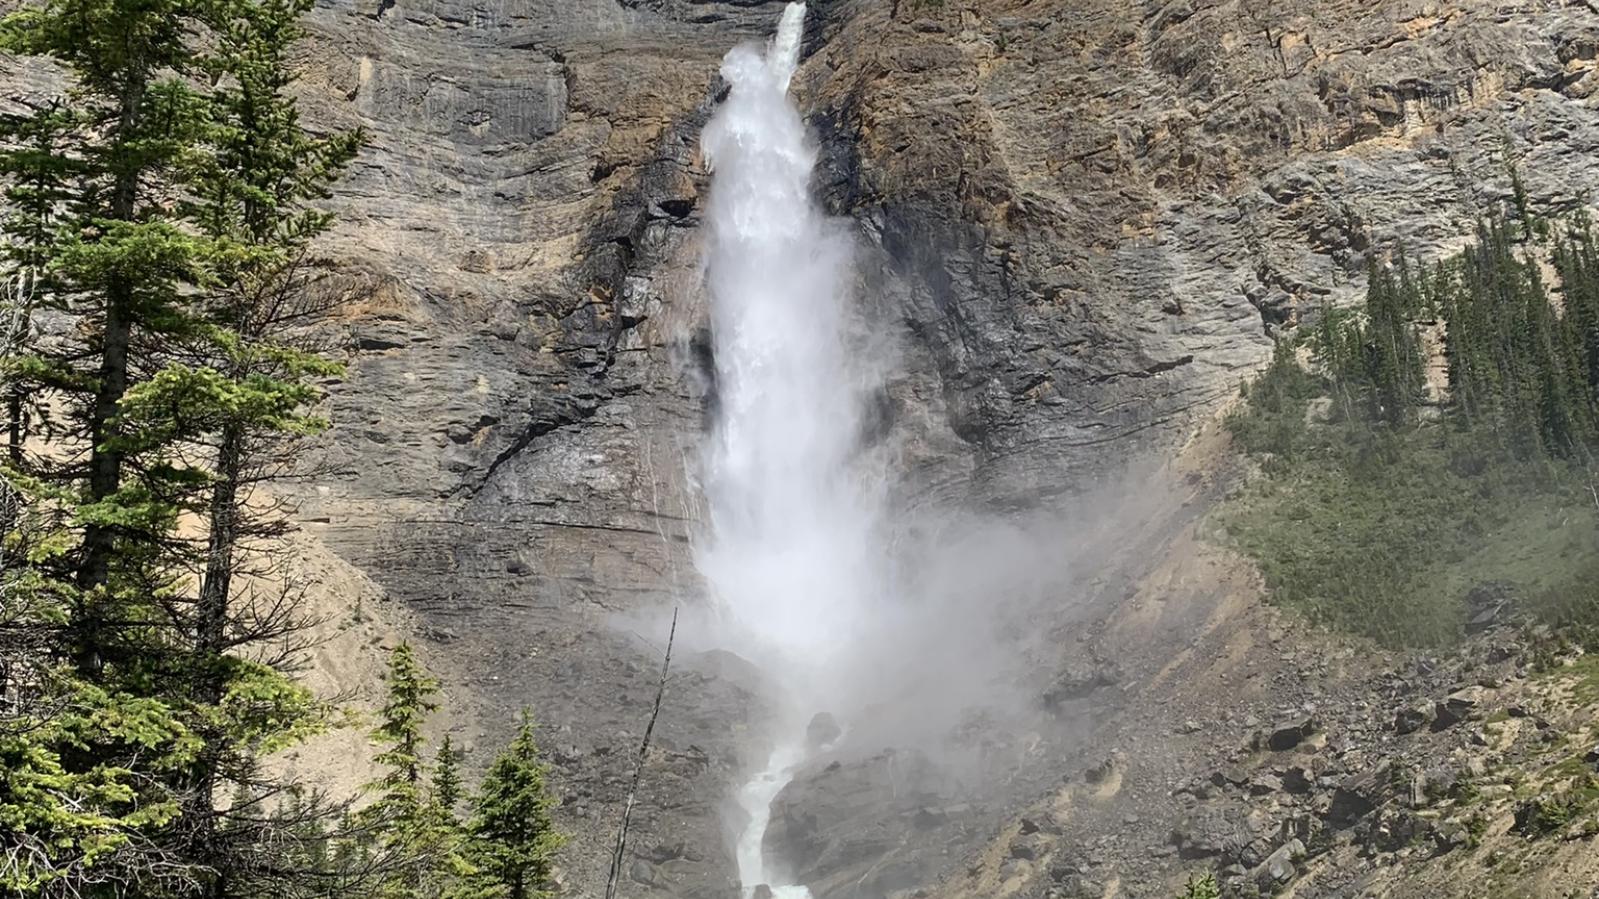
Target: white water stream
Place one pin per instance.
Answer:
(792, 556)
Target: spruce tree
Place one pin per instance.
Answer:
(240, 385)
(411, 693)
(1394, 371)
(95, 760)
(418, 842)
(122, 264)
(513, 839)
(166, 207)
(447, 776)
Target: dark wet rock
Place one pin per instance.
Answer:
(883, 795)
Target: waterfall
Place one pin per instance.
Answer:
(791, 557)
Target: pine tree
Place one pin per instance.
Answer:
(240, 388)
(419, 841)
(123, 264)
(447, 776)
(96, 757)
(513, 839)
(167, 206)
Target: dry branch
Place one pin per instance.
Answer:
(620, 851)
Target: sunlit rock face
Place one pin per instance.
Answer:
(1076, 222)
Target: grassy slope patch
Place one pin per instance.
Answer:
(1393, 550)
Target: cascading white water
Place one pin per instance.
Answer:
(791, 557)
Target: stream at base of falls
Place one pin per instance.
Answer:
(755, 799)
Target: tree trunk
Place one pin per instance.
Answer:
(105, 462)
(210, 644)
(211, 615)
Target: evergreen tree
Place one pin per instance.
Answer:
(123, 264)
(165, 206)
(240, 387)
(1372, 504)
(447, 776)
(1576, 259)
(410, 699)
(1394, 373)
(513, 839)
(418, 840)
(77, 820)
(98, 749)
(33, 197)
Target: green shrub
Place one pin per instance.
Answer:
(1201, 886)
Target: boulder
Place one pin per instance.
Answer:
(1488, 606)
(1265, 784)
(1414, 717)
(1358, 796)
(1392, 830)
(642, 871)
(1279, 867)
(1080, 679)
(1234, 776)
(1450, 835)
(1298, 779)
(1290, 735)
(1456, 707)
(822, 731)
(1103, 771)
(1029, 847)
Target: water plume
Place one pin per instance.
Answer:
(793, 555)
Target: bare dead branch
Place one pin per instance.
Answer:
(620, 852)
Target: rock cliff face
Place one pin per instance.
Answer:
(1079, 221)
